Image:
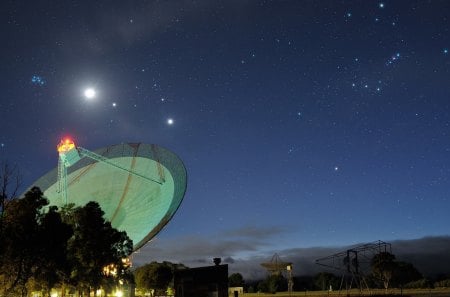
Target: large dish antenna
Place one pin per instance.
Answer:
(138, 186)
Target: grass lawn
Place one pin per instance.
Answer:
(441, 292)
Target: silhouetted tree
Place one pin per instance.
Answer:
(236, 280)
(52, 263)
(304, 283)
(156, 276)
(95, 245)
(20, 238)
(324, 280)
(9, 185)
(405, 273)
(273, 283)
(383, 267)
(423, 283)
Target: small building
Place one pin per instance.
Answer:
(233, 291)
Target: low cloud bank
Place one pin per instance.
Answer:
(430, 255)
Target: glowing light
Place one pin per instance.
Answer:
(89, 93)
(119, 293)
(65, 145)
(37, 80)
(170, 121)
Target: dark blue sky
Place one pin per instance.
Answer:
(314, 123)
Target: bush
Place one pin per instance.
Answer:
(442, 284)
(419, 284)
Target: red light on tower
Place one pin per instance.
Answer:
(65, 145)
(68, 152)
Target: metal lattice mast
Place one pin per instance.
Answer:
(62, 180)
(354, 261)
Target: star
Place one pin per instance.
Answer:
(114, 104)
(336, 168)
(381, 5)
(170, 121)
(37, 80)
(445, 51)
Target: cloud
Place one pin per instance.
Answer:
(191, 250)
(430, 255)
(244, 249)
(255, 232)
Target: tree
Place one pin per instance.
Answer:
(41, 247)
(423, 283)
(276, 283)
(154, 276)
(20, 241)
(323, 281)
(405, 273)
(236, 280)
(95, 245)
(383, 267)
(9, 185)
(273, 283)
(53, 264)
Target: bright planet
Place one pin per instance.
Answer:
(89, 93)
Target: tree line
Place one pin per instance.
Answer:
(385, 272)
(43, 247)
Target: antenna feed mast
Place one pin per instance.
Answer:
(68, 152)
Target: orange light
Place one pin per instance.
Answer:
(65, 145)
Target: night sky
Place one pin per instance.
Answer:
(300, 123)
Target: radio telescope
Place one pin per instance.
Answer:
(138, 186)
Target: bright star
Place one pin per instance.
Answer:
(114, 104)
(170, 121)
(336, 168)
(381, 5)
(89, 93)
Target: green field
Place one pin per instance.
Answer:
(441, 292)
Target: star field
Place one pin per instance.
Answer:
(329, 120)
